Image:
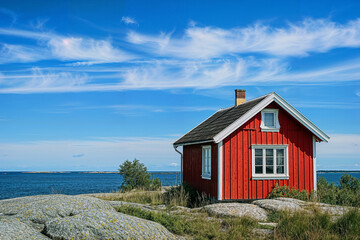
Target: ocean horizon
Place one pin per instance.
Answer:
(25, 183)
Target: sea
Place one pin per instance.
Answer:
(20, 184)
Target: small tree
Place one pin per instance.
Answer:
(136, 177)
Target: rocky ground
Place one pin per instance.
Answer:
(72, 217)
(85, 217)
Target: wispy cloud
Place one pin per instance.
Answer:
(296, 39)
(64, 48)
(203, 58)
(128, 20)
(166, 75)
(341, 146)
(78, 155)
(131, 109)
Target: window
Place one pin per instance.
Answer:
(270, 162)
(206, 162)
(270, 120)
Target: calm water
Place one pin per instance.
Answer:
(16, 184)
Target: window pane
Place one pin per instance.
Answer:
(269, 152)
(269, 120)
(280, 157)
(258, 161)
(269, 157)
(258, 152)
(258, 169)
(280, 170)
(270, 169)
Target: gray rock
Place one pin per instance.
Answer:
(292, 205)
(105, 225)
(11, 229)
(281, 204)
(268, 224)
(36, 210)
(237, 210)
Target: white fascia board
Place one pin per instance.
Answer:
(301, 118)
(260, 106)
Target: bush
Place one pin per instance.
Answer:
(185, 195)
(347, 193)
(286, 191)
(136, 177)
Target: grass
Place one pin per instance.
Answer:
(197, 226)
(317, 225)
(182, 195)
(139, 196)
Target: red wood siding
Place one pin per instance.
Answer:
(237, 180)
(192, 169)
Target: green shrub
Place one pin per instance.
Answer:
(347, 193)
(136, 177)
(185, 195)
(286, 191)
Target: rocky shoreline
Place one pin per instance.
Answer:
(86, 217)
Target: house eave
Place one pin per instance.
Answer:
(192, 143)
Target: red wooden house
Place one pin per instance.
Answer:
(241, 152)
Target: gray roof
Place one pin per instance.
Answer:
(206, 130)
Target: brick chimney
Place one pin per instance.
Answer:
(239, 96)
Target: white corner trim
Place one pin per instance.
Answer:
(260, 106)
(314, 163)
(220, 169)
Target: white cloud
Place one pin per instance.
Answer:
(98, 154)
(81, 49)
(128, 20)
(85, 50)
(341, 147)
(298, 39)
(10, 53)
(161, 75)
(174, 164)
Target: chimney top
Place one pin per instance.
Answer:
(239, 96)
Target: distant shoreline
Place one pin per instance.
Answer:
(87, 172)
(152, 172)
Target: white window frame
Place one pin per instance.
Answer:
(264, 128)
(268, 176)
(204, 163)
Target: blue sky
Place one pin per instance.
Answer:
(85, 85)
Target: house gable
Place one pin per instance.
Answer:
(273, 97)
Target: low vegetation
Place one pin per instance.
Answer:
(185, 196)
(317, 225)
(347, 193)
(197, 226)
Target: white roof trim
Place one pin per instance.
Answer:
(273, 97)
